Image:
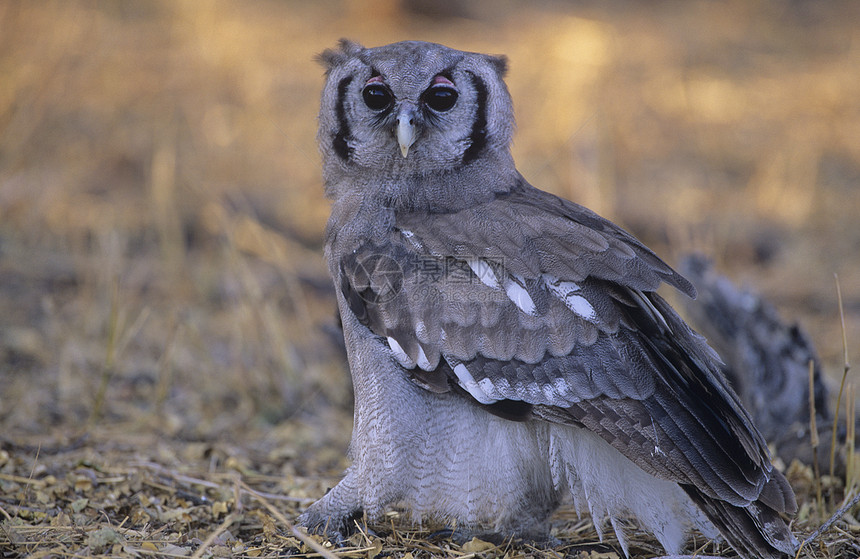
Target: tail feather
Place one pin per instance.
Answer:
(778, 495)
(755, 531)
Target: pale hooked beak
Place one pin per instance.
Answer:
(406, 131)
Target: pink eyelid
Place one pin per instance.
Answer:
(438, 80)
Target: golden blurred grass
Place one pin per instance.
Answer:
(161, 212)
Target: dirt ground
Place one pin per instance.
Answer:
(171, 382)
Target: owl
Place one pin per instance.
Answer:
(508, 349)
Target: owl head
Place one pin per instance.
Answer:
(411, 109)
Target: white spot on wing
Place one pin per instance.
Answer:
(423, 362)
(484, 271)
(515, 288)
(549, 392)
(561, 387)
(400, 355)
(566, 291)
(467, 381)
(486, 385)
(580, 305)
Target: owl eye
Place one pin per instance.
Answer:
(377, 96)
(440, 97)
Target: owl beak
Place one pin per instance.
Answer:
(406, 132)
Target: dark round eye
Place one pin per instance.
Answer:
(377, 96)
(440, 97)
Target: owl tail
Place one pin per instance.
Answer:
(756, 530)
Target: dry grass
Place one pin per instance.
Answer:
(165, 315)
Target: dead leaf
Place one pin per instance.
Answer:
(476, 545)
(175, 550)
(375, 549)
(103, 539)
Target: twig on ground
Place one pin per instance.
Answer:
(845, 368)
(289, 525)
(30, 477)
(830, 521)
(813, 438)
(207, 543)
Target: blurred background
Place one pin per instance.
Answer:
(161, 208)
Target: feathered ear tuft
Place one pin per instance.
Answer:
(500, 63)
(331, 58)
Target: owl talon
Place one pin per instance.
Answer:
(337, 530)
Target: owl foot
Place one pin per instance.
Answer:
(337, 528)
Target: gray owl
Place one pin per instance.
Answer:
(507, 347)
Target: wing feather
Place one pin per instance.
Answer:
(533, 305)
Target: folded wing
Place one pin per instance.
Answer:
(536, 307)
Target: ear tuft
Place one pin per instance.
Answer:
(500, 63)
(331, 58)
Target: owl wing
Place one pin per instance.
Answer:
(534, 306)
